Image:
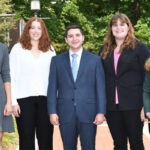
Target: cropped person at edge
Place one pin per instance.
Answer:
(6, 121)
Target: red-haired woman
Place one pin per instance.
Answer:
(124, 58)
(29, 66)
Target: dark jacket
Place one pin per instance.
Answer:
(146, 93)
(83, 98)
(129, 78)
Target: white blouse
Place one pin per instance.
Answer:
(29, 75)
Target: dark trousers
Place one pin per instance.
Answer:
(34, 120)
(70, 132)
(126, 125)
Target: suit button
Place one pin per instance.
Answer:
(73, 99)
(75, 88)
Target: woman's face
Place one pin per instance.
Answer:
(35, 31)
(119, 30)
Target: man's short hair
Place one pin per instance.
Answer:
(74, 26)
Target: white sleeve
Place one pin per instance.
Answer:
(13, 73)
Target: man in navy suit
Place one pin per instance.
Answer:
(77, 104)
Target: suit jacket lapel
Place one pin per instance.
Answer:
(67, 65)
(119, 68)
(112, 62)
(119, 62)
(83, 63)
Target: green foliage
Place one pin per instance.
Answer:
(10, 138)
(6, 23)
(22, 8)
(143, 31)
(92, 15)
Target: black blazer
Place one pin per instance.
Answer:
(129, 78)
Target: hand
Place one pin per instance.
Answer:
(54, 119)
(99, 119)
(148, 115)
(142, 115)
(7, 109)
(16, 110)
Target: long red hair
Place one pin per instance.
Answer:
(44, 41)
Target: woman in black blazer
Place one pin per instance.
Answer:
(123, 59)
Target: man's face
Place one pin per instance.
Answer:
(74, 39)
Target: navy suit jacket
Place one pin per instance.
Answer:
(84, 98)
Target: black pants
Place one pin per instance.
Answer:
(126, 125)
(33, 121)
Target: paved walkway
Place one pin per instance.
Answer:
(103, 139)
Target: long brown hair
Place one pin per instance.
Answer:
(110, 42)
(44, 41)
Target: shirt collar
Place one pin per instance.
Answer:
(79, 52)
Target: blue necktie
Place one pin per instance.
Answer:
(74, 66)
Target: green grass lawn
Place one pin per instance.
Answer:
(10, 138)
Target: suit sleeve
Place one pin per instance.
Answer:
(14, 67)
(100, 87)
(52, 88)
(146, 92)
